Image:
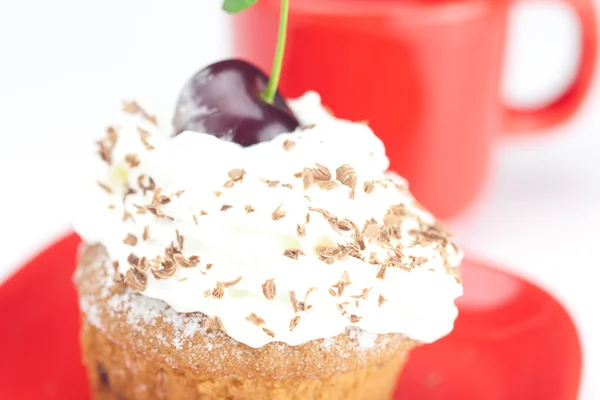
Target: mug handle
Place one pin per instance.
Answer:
(526, 120)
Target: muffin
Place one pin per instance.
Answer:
(295, 268)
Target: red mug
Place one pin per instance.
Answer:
(424, 74)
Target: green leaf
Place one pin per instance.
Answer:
(234, 6)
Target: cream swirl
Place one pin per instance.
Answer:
(289, 240)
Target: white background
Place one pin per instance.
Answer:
(64, 64)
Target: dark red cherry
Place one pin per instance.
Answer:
(224, 100)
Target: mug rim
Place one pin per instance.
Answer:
(425, 11)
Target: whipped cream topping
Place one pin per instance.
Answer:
(289, 240)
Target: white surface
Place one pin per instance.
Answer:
(64, 62)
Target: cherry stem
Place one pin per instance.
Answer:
(269, 93)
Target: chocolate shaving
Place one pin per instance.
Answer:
(271, 184)
(278, 214)
(301, 230)
(143, 264)
(269, 332)
(269, 289)
(294, 301)
(217, 193)
(381, 273)
(293, 253)
(307, 178)
(249, 209)
(288, 144)
(135, 280)
(232, 283)
(229, 184)
(127, 215)
(219, 291)
(255, 319)
(214, 324)
(226, 207)
(294, 322)
(208, 266)
(118, 278)
(104, 186)
(363, 296)
(354, 318)
(369, 187)
(133, 260)
(180, 239)
(321, 173)
(132, 160)
(345, 225)
(144, 135)
(236, 175)
(328, 185)
(166, 270)
(381, 300)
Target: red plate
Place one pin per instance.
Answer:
(511, 341)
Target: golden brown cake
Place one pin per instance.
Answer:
(139, 348)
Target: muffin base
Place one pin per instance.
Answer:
(117, 373)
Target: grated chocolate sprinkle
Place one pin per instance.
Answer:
(217, 193)
(132, 160)
(104, 186)
(293, 253)
(232, 283)
(130, 240)
(381, 300)
(300, 230)
(219, 291)
(294, 322)
(269, 332)
(321, 173)
(165, 270)
(354, 318)
(278, 213)
(135, 280)
(236, 175)
(269, 289)
(271, 184)
(118, 278)
(307, 178)
(381, 273)
(255, 319)
(144, 135)
(289, 144)
(249, 209)
(328, 185)
(214, 324)
(369, 187)
(229, 184)
(127, 215)
(364, 295)
(133, 260)
(180, 239)
(294, 301)
(226, 207)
